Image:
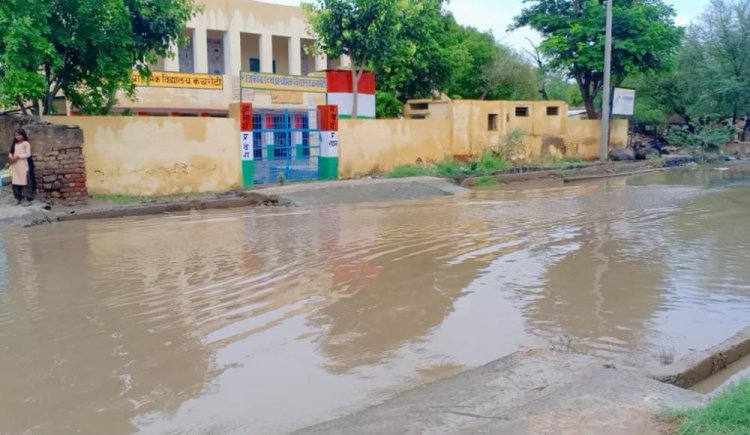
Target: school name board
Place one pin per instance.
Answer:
(275, 82)
(160, 79)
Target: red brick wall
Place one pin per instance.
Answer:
(59, 163)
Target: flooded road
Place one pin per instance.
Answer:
(268, 320)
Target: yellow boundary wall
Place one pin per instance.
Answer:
(155, 156)
(464, 128)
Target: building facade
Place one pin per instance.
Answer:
(228, 38)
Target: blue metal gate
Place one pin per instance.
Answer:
(285, 145)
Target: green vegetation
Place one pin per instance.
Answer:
(706, 137)
(411, 171)
(418, 50)
(510, 147)
(86, 49)
(711, 71)
(728, 414)
(490, 162)
(485, 181)
(136, 199)
(573, 40)
(361, 29)
(121, 199)
(566, 163)
(387, 105)
(449, 168)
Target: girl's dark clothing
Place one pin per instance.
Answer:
(21, 192)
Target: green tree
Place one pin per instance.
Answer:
(361, 29)
(715, 63)
(86, 49)
(645, 39)
(422, 58)
(487, 70)
(659, 95)
(559, 87)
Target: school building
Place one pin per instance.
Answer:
(236, 50)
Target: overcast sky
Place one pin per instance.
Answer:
(496, 15)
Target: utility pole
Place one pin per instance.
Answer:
(604, 143)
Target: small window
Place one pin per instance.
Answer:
(553, 111)
(419, 106)
(522, 111)
(492, 122)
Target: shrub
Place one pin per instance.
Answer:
(510, 147)
(449, 168)
(705, 137)
(387, 105)
(492, 163)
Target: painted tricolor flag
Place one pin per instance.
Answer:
(340, 93)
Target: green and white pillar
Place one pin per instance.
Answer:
(246, 143)
(328, 124)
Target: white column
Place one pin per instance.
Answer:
(321, 62)
(295, 56)
(200, 50)
(172, 60)
(266, 53)
(346, 61)
(232, 52)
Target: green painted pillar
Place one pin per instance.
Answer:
(328, 162)
(328, 124)
(248, 173)
(248, 162)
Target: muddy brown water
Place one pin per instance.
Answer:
(267, 320)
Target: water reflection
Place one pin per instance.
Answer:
(267, 320)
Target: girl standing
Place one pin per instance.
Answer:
(20, 154)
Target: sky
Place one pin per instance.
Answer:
(497, 15)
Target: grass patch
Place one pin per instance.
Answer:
(410, 171)
(489, 163)
(121, 199)
(485, 181)
(728, 414)
(135, 199)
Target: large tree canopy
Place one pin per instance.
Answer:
(361, 29)
(715, 60)
(645, 39)
(489, 70)
(86, 49)
(422, 58)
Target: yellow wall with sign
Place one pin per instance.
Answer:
(160, 79)
(156, 156)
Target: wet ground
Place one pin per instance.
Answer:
(267, 320)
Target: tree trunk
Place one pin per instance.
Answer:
(22, 105)
(49, 98)
(355, 91)
(35, 107)
(588, 102)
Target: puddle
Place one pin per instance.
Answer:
(738, 370)
(260, 321)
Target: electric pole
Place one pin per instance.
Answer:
(607, 91)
